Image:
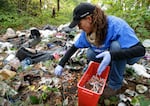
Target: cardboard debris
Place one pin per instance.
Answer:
(6, 74)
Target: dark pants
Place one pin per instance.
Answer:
(117, 66)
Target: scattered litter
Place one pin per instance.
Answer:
(131, 92)
(10, 33)
(46, 81)
(65, 103)
(4, 102)
(146, 43)
(140, 70)
(6, 74)
(15, 63)
(141, 88)
(7, 90)
(124, 98)
(23, 50)
(95, 84)
(121, 104)
(56, 81)
(9, 58)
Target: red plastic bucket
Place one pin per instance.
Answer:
(88, 97)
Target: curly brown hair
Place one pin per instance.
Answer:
(100, 25)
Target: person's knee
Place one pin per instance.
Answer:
(115, 46)
(89, 54)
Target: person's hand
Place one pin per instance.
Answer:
(105, 62)
(58, 70)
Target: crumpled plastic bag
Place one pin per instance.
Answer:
(140, 70)
(146, 43)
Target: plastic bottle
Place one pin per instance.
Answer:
(25, 63)
(9, 58)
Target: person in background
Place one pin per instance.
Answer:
(110, 41)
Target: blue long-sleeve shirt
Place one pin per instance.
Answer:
(118, 30)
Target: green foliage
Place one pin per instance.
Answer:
(140, 99)
(43, 96)
(33, 16)
(135, 101)
(130, 72)
(34, 100)
(52, 89)
(136, 13)
(6, 5)
(23, 14)
(144, 101)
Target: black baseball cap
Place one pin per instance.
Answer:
(80, 12)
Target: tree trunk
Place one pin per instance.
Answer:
(58, 6)
(40, 3)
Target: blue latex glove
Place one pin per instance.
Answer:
(105, 62)
(58, 70)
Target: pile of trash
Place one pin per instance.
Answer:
(95, 84)
(27, 62)
(28, 59)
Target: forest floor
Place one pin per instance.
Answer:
(38, 86)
